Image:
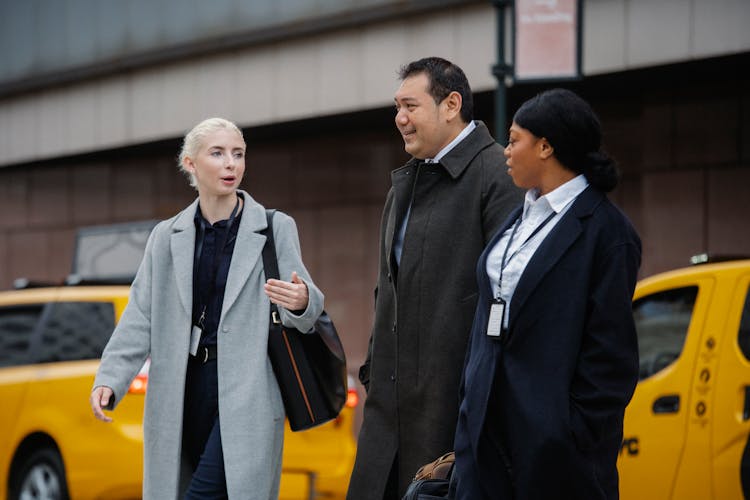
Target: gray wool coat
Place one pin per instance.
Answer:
(424, 307)
(157, 323)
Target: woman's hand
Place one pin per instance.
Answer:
(99, 399)
(291, 295)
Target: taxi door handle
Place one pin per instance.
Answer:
(746, 410)
(667, 404)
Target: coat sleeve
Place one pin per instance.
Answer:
(290, 259)
(607, 368)
(130, 343)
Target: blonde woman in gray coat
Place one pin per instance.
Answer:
(199, 308)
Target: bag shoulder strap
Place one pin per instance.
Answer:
(270, 261)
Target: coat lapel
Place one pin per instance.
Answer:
(390, 231)
(182, 246)
(554, 246)
(247, 250)
(402, 180)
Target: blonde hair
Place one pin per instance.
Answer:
(194, 139)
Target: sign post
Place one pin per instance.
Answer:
(501, 70)
(546, 46)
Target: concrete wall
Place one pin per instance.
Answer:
(81, 33)
(627, 34)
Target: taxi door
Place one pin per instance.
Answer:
(17, 323)
(669, 313)
(731, 421)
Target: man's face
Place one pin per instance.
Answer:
(423, 123)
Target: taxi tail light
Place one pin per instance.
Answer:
(352, 398)
(139, 384)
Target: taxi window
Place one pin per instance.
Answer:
(744, 334)
(662, 320)
(73, 331)
(16, 328)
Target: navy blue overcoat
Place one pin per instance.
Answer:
(542, 407)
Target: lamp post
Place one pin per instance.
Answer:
(501, 70)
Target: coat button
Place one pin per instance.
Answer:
(389, 277)
(394, 327)
(393, 377)
(225, 329)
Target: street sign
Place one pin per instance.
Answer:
(547, 40)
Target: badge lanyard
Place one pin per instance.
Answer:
(495, 322)
(217, 257)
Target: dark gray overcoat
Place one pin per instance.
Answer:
(424, 307)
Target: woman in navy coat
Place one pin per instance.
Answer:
(553, 356)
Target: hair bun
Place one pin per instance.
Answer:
(601, 171)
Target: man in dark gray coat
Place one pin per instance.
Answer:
(443, 207)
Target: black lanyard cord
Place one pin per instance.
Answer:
(503, 262)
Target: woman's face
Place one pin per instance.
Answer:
(219, 164)
(524, 159)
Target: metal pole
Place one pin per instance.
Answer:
(501, 70)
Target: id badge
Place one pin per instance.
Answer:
(195, 338)
(495, 320)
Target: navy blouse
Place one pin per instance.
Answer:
(210, 272)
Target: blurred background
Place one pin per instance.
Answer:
(95, 96)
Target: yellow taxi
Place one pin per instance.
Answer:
(687, 427)
(51, 447)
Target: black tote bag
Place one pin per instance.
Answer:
(309, 367)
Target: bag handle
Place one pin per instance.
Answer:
(270, 262)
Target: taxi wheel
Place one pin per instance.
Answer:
(40, 477)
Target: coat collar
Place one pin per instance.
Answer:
(245, 257)
(458, 158)
(461, 156)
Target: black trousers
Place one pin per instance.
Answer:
(201, 435)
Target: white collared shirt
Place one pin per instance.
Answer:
(536, 210)
(398, 243)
